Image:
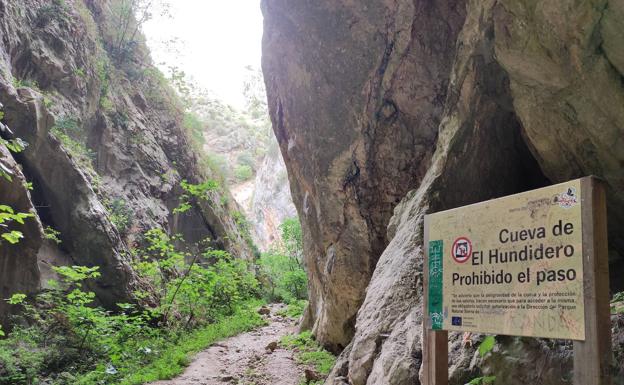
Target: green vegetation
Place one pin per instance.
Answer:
(294, 309)
(308, 352)
(52, 235)
(174, 358)
(128, 17)
(25, 83)
(13, 145)
(120, 214)
(617, 303)
(7, 216)
(190, 300)
(215, 164)
(194, 128)
(281, 271)
(245, 230)
(56, 10)
(70, 134)
(195, 193)
(246, 159)
(485, 347)
(243, 173)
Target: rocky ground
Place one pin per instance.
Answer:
(249, 358)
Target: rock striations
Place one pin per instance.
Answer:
(388, 110)
(106, 148)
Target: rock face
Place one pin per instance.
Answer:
(353, 137)
(271, 203)
(18, 263)
(457, 101)
(107, 150)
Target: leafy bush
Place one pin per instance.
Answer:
(62, 337)
(120, 214)
(52, 235)
(243, 172)
(194, 292)
(195, 192)
(7, 216)
(281, 271)
(485, 347)
(282, 277)
(217, 164)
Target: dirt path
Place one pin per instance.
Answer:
(245, 359)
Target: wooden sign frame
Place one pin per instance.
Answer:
(592, 357)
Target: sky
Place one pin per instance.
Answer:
(216, 40)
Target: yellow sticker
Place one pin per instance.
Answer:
(514, 265)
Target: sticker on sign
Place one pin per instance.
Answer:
(462, 249)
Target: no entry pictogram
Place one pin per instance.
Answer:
(461, 250)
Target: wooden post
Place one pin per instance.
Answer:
(435, 342)
(592, 357)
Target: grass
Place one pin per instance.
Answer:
(174, 357)
(617, 303)
(294, 309)
(309, 353)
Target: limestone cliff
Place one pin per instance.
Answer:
(457, 102)
(106, 147)
(271, 202)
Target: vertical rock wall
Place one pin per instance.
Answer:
(59, 70)
(508, 95)
(355, 92)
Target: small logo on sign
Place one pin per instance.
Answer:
(567, 199)
(456, 321)
(461, 250)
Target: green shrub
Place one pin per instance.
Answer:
(120, 214)
(196, 292)
(63, 338)
(52, 235)
(195, 192)
(243, 172)
(8, 216)
(281, 271)
(246, 159)
(282, 278)
(217, 165)
(485, 347)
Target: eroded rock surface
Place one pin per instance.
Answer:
(355, 108)
(515, 95)
(107, 149)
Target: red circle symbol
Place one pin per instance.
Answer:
(461, 250)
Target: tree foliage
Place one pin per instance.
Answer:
(62, 335)
(281, 271)
(129, 16)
